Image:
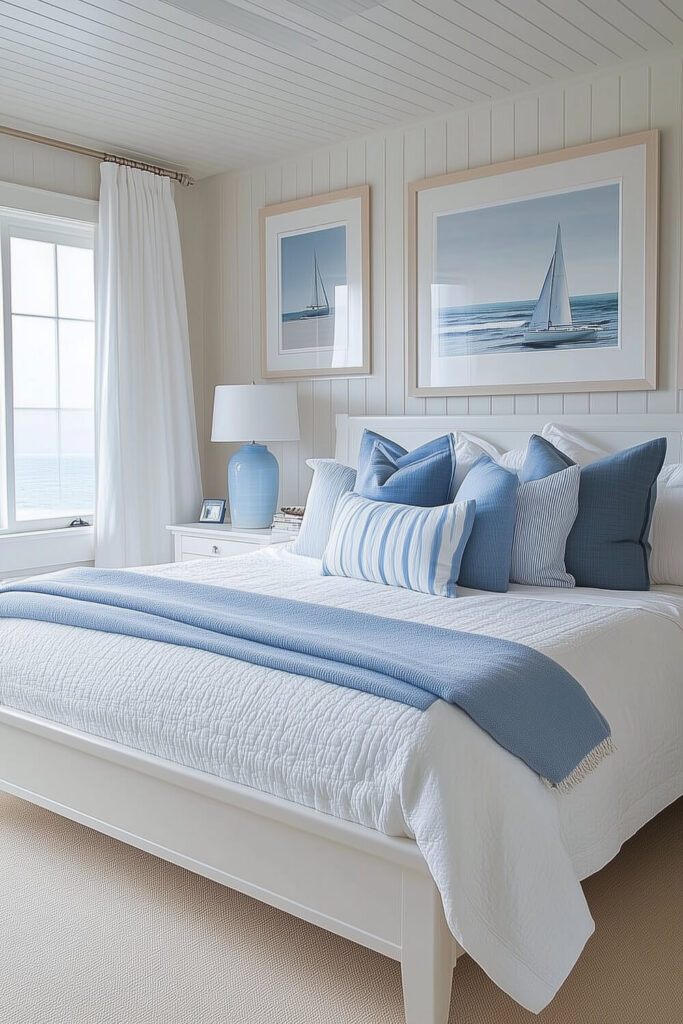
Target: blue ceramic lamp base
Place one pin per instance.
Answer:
(253, 484)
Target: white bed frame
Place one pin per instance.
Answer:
(368, 887)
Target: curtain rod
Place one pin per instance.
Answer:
(182, 179)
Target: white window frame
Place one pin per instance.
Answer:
(53, 222)
(31, 547)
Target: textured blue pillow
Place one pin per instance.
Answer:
(399, 545)
(387, 472)
(486, 562)
(542, 459)
(608, 545)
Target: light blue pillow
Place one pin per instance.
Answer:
(546, 511)
(486, 561)
(608, 546)
(399, 545)
(331, 479)
(542, 459)
(387, 472)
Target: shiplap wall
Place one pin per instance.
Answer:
(222, 256)
(25, 163)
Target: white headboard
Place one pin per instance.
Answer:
(610, 432)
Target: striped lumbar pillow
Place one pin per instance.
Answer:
(399, 545)
(546, 511)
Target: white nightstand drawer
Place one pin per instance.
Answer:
(204, 540)
(207, 547)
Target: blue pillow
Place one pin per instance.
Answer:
(486, 562)
(399, 545)
(542, 459)
(387, 472)
(608, 545)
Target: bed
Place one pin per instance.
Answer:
(411, 833)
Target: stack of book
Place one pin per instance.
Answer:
(288, 520)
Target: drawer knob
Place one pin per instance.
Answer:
(215, 549)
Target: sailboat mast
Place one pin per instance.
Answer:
(316, 272)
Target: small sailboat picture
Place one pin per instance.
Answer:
(551, 321)
(319, 304)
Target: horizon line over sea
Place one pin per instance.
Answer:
(479, 328)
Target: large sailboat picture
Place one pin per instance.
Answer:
(539, 274)
(312, 281)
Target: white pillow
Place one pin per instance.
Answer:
(579, 450)
(513, 460)
(666, 536)
(468, 448)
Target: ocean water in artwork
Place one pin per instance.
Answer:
(502, 326)
(540, 274)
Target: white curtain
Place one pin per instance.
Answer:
(148, 460)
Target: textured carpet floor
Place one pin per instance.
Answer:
(94, 932)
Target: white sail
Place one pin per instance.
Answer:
(560, 310)
(552, 308)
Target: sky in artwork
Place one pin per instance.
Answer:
(297, 254)
(501, 253)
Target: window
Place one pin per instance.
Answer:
(47, 461)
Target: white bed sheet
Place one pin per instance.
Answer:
(506, 852)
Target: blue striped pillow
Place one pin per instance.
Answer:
(399, 545)
(546, 511)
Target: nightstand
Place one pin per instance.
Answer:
(211, 540)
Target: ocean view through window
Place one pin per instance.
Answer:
(49, 352)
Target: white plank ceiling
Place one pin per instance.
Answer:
(215, 85)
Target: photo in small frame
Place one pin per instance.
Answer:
(213, 510)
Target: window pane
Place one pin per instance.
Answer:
(77, 432)
(77, 462)
(75, 282)
(34, 362)
(32, 269)
(76, 364)
(53, 479)
(36, 463)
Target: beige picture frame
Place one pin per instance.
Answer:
(346, 347)
(623, 158)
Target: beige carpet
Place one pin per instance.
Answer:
(94, 932)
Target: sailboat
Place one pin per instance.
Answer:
(317, 307)
(551, 320)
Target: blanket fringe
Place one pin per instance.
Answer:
(585, 765)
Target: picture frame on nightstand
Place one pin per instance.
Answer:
(213, 510)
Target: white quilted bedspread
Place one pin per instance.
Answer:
(506, 852)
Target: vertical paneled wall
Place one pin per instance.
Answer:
(223, 269)
(25, 163)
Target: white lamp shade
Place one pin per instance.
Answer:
(255, 412)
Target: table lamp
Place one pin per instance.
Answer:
(242, 412)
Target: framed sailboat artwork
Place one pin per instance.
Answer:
(536, 275)
(315, 286)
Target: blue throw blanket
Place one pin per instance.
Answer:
(523, 699)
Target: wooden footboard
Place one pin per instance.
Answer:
(363, 885)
